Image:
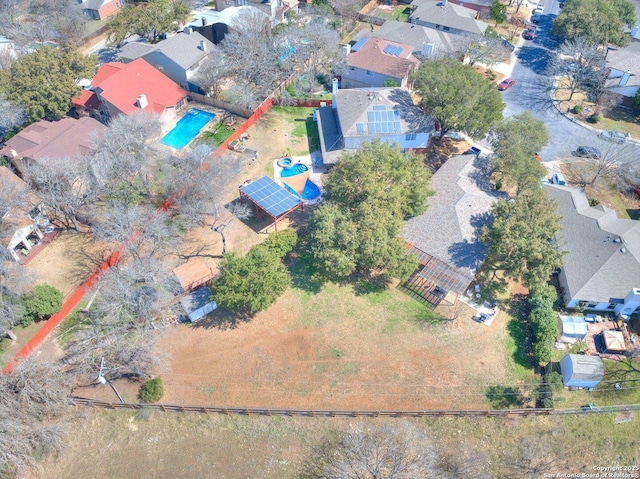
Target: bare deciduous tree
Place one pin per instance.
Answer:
(204, 203)
(127, 150)
(400, 451)
(613, 162)
(63, 185)
(121, 325)
(33, 407)
(11, 116)
(581, 64)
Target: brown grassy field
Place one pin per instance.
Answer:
(120, 444)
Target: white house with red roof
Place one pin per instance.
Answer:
(100, 9)
(125, 88)
(376, 63)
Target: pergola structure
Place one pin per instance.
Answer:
(268, 196)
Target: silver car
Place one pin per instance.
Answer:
(614, 136)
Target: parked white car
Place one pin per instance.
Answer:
(614, 136)
(539, 10)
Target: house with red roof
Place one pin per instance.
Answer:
(47, 141)
(376, 62)
(126, 88)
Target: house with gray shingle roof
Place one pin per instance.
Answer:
(624, 69)
(451, 18)
(361, 115)
(424, 41)
(179, 57)
(447, 233)
(601, 270)
(372, 62)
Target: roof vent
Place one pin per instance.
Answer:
(623, 250)
(187, 30)
(203, 45)
(141, 101)
(616, 240)
(204, 21)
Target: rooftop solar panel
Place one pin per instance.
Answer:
(270, 196)
(359, 44)
(379, 107)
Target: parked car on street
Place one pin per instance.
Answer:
(614, 136)
(539, 10)
(587, 152)
(506, 83)
(536, 18)
(529, 34)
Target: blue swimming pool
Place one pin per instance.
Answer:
(187, 128)
(294, 170)
(310, 191)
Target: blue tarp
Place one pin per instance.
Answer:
(573, 326)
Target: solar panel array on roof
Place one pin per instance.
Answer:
(381, 120)
(270, 196)
(359, 44)
(393, 50)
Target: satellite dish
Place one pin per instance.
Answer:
(102, 380)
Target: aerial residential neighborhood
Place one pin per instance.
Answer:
(319, 239)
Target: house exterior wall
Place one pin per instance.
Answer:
(109, 9)
(355, 77)
(421, 140)
(433, 26)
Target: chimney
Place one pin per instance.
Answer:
(204, 21)
(141, 101)
(187, 30)
(203, 45)
(427, 49)
(334, 92)
(625, 78)
(346, 49)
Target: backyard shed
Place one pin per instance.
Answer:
(580, 371)
(574, 328)
(198, 303)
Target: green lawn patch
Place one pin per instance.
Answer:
(214, 137)
(303, 127)
(400, 13)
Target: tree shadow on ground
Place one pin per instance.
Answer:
(302, 272)
(364, 284)
(504, 397)
(223, 319)
(520, 331)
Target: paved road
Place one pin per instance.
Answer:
(532, 92)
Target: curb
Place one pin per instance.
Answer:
(556, 105)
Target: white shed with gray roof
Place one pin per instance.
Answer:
(581, 371)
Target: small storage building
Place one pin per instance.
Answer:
(198, 304)
(574, 328)
(580, 371)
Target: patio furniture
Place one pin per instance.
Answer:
(24, 251)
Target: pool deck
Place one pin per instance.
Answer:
(218, 112)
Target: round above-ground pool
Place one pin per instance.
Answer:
(285, 162)
(294, 170)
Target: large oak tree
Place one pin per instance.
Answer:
(45, 81)
(459, 97)
(370, 192)
(597, 21)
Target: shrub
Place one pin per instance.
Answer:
(152, 390)
(491, 75)
(594, 118)
(41, 303)
(577, 109)
(282, 242)
(593, 202)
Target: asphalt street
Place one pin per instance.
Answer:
(533, 89)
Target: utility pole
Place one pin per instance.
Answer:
(103, 380)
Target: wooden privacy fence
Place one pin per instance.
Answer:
(235, 109)
(252, 411)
